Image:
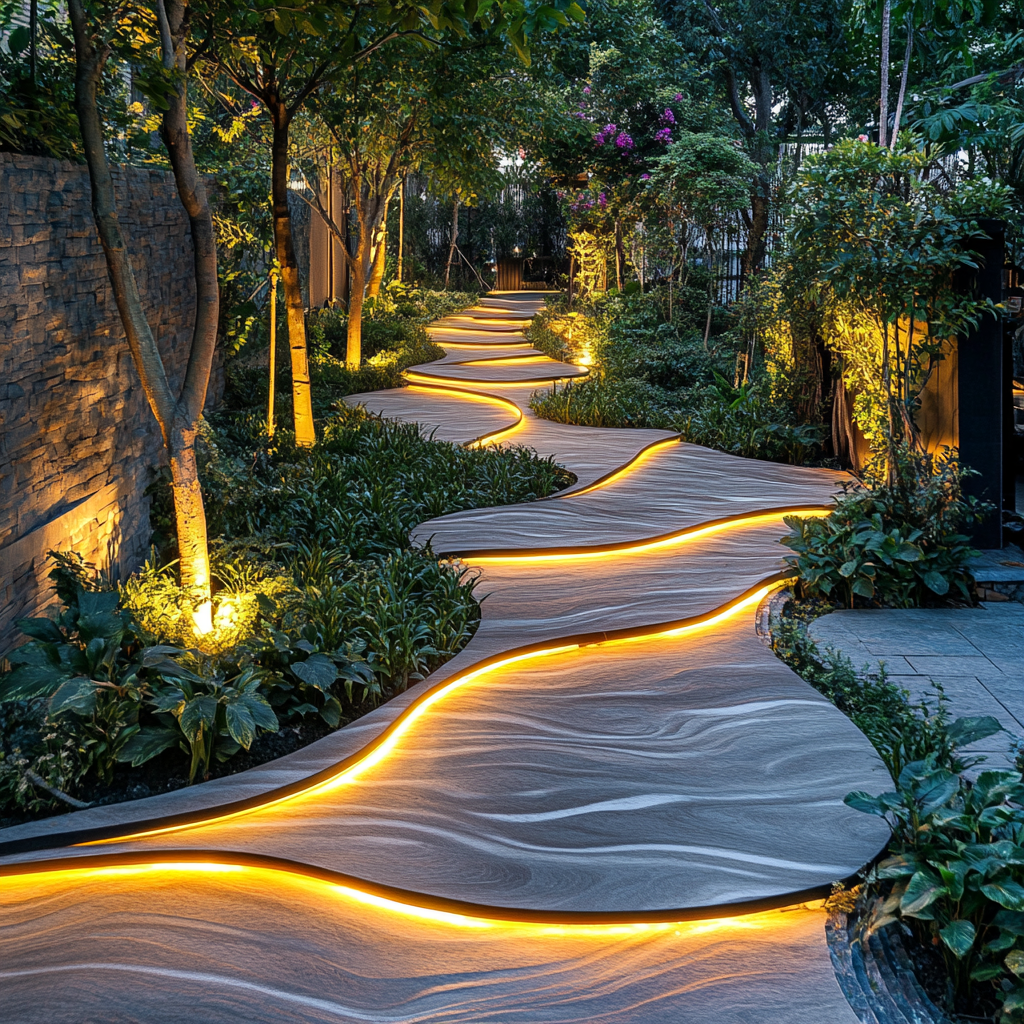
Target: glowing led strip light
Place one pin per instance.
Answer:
(424, 378)
(640, 457)
(269, 872)
(672, 540)
(495, 436)
(387, 742)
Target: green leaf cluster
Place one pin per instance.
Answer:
(955, 872)
(896, 544)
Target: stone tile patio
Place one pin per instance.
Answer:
(975, 654)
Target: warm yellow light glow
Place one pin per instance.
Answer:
(227, 613)
(375, 754)
(202, 618)
(455, 382)
(322, 892)
(586, 358)
(627, 469)
(500, 436)
(474, 396)
(674, 540)
(524, 360)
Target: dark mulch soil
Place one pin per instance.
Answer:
(169, 771)
(930, 970)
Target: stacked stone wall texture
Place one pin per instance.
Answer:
(78, 441)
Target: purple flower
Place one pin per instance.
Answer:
(623, 141)
(610, 130)
(668, 117)
(599, 139)
(603, 200)
(644, 177)
(586, 90)
(678, 96)
(665, 135)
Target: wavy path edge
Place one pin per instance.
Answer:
(407, 901)
(162, 824)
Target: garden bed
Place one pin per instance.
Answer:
(321, 612)
(652, 367)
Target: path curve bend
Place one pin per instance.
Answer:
(614, 804)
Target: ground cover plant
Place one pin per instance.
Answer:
(650, 369)
(321, 610)
(953, 878)
(394, 338)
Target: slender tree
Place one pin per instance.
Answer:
(782, 67)
(98, 30)
(883, 102)
(284, 58)
(903, 78)
(442, 108)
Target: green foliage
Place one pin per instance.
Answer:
(876, 246)
(321, 608)
(362, 488)
(97, 674)
(747, 421)
(894, 544)
(602, 402)
(703, 177)
(651, 373)
(955, 873)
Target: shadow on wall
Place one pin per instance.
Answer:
(78, 441)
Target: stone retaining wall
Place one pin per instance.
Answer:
(78, 441)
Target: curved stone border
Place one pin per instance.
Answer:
(878, 977)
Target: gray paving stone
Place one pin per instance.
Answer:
(975, 654)
(951, 667)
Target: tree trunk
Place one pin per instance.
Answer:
(455, 239)
(302, 399)
(620, 257)
(399, 270)
(190, 519)
(354, 339)
(177, 417)
(883, 103)
(379, 258)
(903, 80)
(757, 229)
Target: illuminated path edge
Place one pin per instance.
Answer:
(782, 977)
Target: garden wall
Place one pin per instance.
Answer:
(78, 442)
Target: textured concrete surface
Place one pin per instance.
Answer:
(975, 654)
(614, 754)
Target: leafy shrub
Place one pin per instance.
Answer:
(956, 876)
(955, 870)
(745, 421)
(896, 543)
(649, 373)
(602, 402)
(321, 608)
(393, 339)
(362, 488)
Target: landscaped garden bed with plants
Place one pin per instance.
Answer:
(321, 609)
(653, 368)
(951, 883)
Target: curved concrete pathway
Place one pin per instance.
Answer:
(615, 804)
